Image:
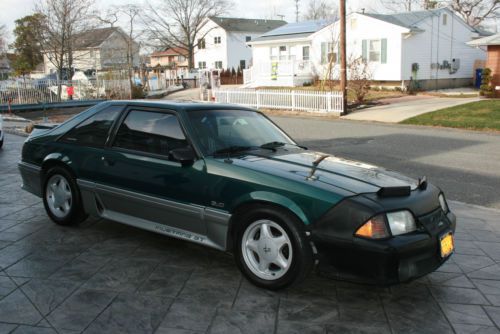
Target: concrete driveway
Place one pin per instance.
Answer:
(398, 109)
(103, 277)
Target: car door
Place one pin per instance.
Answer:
(139, 183)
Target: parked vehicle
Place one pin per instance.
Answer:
(227, 177)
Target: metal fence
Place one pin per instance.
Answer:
(283, 99)
(47, 91)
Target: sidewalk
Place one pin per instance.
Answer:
(401, 108)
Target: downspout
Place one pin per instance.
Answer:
(437, 49)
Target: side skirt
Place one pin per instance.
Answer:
(215, 221)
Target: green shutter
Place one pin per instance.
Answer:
(323, 52)
(364, 53)
(383, 56)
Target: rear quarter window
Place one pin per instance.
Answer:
(94, 131)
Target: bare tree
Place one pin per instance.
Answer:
(410, 5)
(62, 21)
(3, 33)
(129, 15)
(359, 78)
(475, 12)
(297, 12)
(320, 10)
(178, 23)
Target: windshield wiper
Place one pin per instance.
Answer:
(275, 144)
(234, 149)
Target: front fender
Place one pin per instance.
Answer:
(272, 198)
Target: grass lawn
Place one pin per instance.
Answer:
(481, 115)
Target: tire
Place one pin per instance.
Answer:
(282, 243)
(1, 143)
(61, 197)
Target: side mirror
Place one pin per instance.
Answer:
(184, 155)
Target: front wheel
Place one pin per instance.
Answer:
(271, 249)
(62, 197)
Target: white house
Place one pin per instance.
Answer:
(99, 49)
(222, 41)
(426, 49)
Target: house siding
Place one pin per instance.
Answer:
(439, 43)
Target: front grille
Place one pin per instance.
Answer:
(435, 222)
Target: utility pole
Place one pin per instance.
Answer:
(343, 58)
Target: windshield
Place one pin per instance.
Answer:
(223, 131)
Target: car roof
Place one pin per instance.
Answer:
(180, 105)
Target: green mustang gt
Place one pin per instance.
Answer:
(227, 177)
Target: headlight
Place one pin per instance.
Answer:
(375, 228)
(401, 222)
(444, 205)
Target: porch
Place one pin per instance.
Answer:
(288, 73)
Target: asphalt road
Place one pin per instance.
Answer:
(465, 164)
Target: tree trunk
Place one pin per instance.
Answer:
(190, 57)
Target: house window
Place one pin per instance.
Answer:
(248, 38)
(202, 65)
(243, 64)
(305, 53)
(217, 40)
(328, 53)
(201, 43)
(180, 59)
(273, 53)
(445, 19)
(354, 23)
(375, 50)
(218, 64)
(283, 54)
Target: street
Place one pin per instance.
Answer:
(465, 164)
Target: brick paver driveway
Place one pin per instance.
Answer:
(104, 277)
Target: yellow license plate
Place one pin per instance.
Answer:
(447, 245)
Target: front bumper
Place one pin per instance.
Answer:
(391, 261)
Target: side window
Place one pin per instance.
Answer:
(95, 130)
(150, 132)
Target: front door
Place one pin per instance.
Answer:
(137, 180)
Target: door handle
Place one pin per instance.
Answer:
(107, 162)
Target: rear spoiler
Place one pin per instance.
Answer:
(40, 128)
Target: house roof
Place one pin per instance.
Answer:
(411, 20)
(243, 25)
(170, 52)
(488, 40)
(292, 30)
(94, 37)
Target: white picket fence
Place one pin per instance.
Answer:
(46, 91)
(314, 101)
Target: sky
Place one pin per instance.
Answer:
(10, 10)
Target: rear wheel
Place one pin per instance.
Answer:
(1, 143)
(61, 198)
(271, 248)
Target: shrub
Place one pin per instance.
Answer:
(486, 89)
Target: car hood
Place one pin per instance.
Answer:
(325, 169)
